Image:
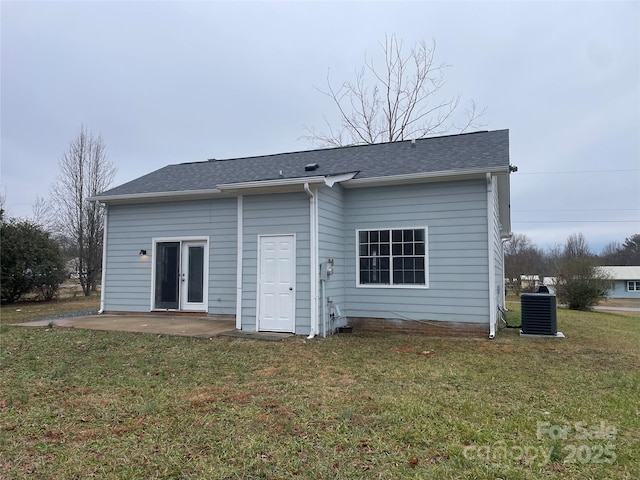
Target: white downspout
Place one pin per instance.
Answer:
(323, 303)
(492, 260)
(104, 259)
(239, 254)
(504, 288)
(313, 253)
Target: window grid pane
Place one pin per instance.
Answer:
(374, 257)
(392, 256)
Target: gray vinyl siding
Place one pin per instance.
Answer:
(456, 216)
(133, 227)
(276, 214)
(331, 245)
(223, 257)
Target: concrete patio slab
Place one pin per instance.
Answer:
(185, 326)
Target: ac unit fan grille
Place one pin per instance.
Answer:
(539, 314)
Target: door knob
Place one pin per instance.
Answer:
(290, 288)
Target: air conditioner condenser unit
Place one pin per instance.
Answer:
(539, 315)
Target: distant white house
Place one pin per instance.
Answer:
(625, 281)
(534, 282)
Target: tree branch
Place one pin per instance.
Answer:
(396, 102)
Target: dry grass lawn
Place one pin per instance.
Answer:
(89, 404)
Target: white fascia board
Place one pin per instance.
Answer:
(226, 189)
(156, 196)
(280, 182)
(423, 177)
(284, 184)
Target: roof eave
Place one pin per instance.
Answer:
(262, 185)
(422, 177)
(150, 196)
(270, 184)
(227, 189)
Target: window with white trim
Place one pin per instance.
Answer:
(633, 286)
(392, 256)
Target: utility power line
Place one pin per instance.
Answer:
(583, 210)
(577, 171)
(576, 221)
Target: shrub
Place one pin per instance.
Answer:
(580, 284)
(30, 261)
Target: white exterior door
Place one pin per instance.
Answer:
(193, 277)
(276, 283)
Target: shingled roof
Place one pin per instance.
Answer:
(480, 151)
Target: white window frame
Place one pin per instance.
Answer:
(636, 285)
(391, 285)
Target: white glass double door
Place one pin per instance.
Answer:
(180, 276)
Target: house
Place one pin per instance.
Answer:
(530, 283)
(404, 236)
(625, 281)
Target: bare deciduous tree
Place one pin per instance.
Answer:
(576, 247)
(626, 254)
(612, 254)
(397, 101)
(84, 171)
(631, 249)
(579, 282)
(521, 257)
(42, 214)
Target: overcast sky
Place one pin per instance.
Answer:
(172, 82)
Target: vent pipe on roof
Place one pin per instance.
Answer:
(413, 142)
